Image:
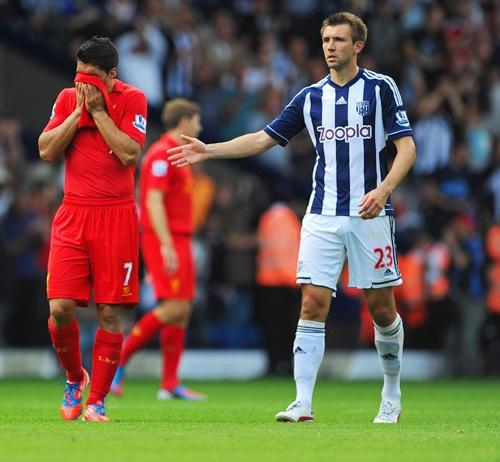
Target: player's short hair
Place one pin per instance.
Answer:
(358, 27)
(100, 52)
(177, 108)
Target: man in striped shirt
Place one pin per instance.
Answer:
(352, 116)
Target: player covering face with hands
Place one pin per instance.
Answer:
(353, 116)
(99, 126)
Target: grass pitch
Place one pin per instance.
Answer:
(444, 421)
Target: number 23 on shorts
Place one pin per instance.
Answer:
(384, 256)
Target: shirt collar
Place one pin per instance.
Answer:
(348, 84)
(118, 87)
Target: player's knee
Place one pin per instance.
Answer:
(173, 312)
(381, 305)
(383, 315)
(109, 317)
(312, 307)
(62, 314)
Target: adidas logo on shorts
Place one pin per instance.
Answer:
(388, 273)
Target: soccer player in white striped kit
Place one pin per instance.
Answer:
(351, 115)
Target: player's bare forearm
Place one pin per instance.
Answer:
(247, 145)
(53, 143)
(374, 201)
(122, 146)
(159, 222)
(195, 151)
(157, 216)
(405, 158)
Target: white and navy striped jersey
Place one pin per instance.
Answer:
(349, 127)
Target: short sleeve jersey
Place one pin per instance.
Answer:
(175, 183)
(350, 127)
(91, 169)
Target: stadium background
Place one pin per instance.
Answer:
(242, 60)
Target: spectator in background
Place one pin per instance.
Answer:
(23, 236)
(467, 255)
(277, 304)
(384, 26)
(12, 153)
(430, 42)
(143, 52)
(442, 313)
(232, 233)
(413, 84)
(297, 55)
(180, 71)
(236, 102)
(220, 41)
(119, 13)
(277, 158)
(434, 130)
(208, 94)
(267, 69)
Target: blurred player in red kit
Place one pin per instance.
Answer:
(100, 127)
(167, 226)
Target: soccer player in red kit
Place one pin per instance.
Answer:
(167, 226)
(100, 127)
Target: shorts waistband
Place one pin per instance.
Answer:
(94, 202)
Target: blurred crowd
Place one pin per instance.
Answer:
(243, 60)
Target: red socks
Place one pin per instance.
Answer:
(172, 339)
(105, 361)
(141, 334)
(66, 342)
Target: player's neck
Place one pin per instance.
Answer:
(110, 84)
(175, 135)
(343, 76)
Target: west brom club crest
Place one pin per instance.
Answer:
(362, 108)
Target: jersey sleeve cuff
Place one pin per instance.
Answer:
(281, 140)
(400, 134)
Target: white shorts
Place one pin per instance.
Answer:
(369, 246)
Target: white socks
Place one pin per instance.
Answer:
(389, 343)
(308, 351)
(309, 348)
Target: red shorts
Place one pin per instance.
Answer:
(180, 286)
(95, 244)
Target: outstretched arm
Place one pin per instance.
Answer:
(374, 201)
(195, 151)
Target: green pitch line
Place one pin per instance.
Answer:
(445, 421)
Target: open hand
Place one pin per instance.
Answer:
(193, 152)
(80, 95)
(94, 101)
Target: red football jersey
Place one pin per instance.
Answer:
(91, 170)
(176, 184)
